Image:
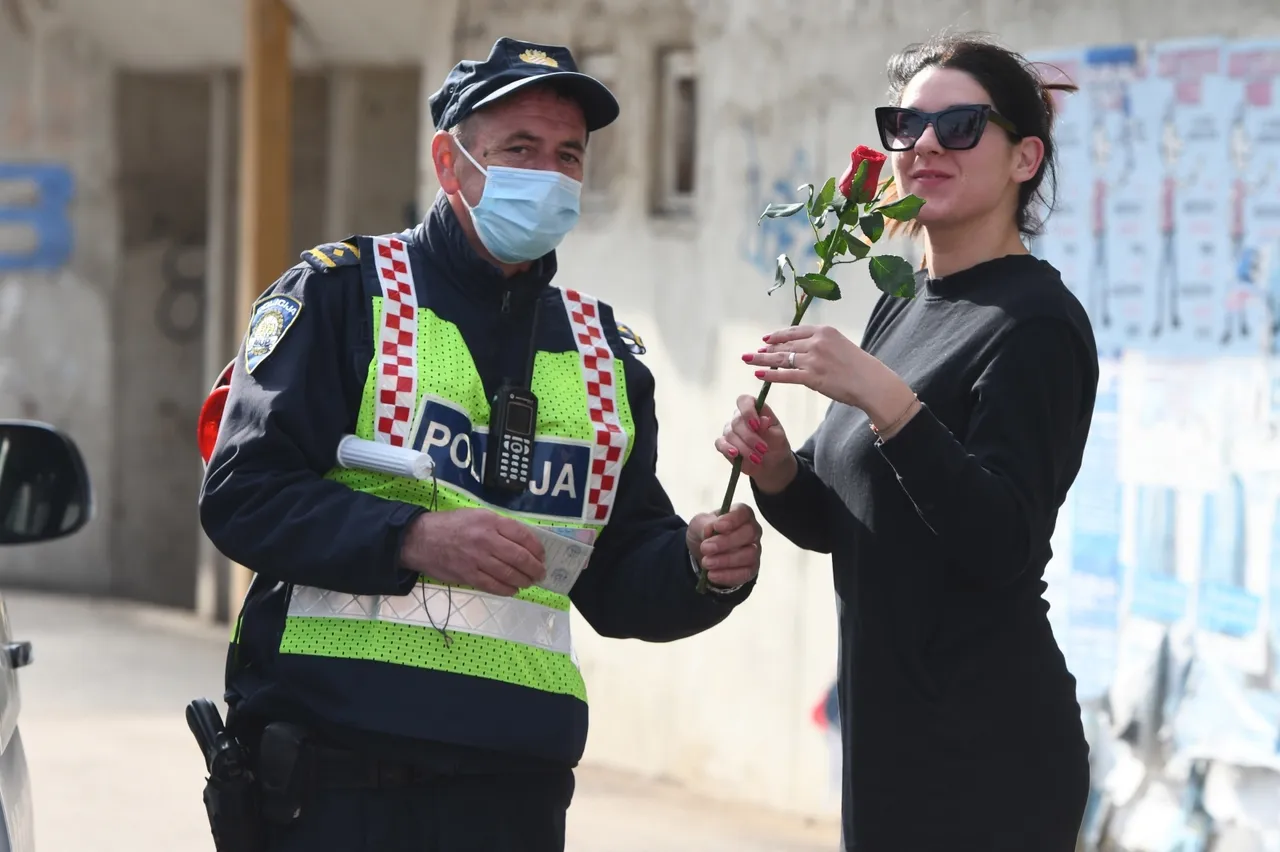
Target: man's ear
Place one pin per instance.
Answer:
(445, 160)
(1028, 155)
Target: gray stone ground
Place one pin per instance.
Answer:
(115, 769)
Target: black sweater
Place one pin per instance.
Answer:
(959, 716)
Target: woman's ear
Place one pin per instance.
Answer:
(1028, 154)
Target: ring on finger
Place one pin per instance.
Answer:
(791, 359)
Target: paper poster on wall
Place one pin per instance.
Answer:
(1093, 583)
(1182, 101)
(1224, 603)
(1273, 590)
(1123, 227)
(1173, 421)
(1157, 594)
(1253, 397)
(1067, 241)
(1251, 308)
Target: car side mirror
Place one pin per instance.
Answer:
(44, 487)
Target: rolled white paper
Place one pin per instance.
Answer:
(361, 454)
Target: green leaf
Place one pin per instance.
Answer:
(831, 246)
(904, 209)
(856, 247)
(859, 178)
(780, 273)
(838, 204)
(884, 187)
(850, 214)
(819, 286)
(872, 225)
(823, 198)
(806, 187)
(779, 211)
(893, 275)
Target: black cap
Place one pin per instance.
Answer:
(511, 66)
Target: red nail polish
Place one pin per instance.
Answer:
(733, 451)
(762, 448)
(748, 358)
(754, 424)
(755, 459)
(759, 374)
(766, 337)
(763, 349)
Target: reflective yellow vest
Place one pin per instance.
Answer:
(424, 391)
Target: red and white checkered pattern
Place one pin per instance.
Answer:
(602, 404)
(397, 343)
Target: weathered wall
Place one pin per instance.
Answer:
(373, 134)
(55, 362)
(786, 90)
(164, 139)
(163, 123)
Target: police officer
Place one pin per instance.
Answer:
(402, 666)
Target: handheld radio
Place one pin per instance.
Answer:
(513, 424)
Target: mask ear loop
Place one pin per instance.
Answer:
(479, 168)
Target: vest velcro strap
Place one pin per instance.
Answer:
(447, 609)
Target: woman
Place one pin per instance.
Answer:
(954, 433)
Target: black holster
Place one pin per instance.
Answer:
(231, 792)
(283, 772)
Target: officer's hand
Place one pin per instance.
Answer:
(731, 554)
(474, 547)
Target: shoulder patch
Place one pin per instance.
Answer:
(272, 317)
(633, 341)
(330, 255)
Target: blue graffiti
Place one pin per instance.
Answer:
(761, 244)
(45, 216)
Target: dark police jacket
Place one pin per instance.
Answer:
(266, 504)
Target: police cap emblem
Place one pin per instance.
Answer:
(272, 317)
(539, 57)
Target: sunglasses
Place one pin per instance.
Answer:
(958, 128)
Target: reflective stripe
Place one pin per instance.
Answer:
(397, 354)
(469, 612)
(602, 404)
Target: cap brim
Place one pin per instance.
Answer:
(599, 106)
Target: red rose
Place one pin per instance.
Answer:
(874, 160)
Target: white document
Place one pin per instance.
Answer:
(566, 558)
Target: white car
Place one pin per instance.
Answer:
(44, 495)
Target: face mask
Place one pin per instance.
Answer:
(523, 213)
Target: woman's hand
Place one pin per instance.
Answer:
(824, 360)
(760, 441)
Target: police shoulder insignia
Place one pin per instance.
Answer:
(633, 341)
(330, 255)
(272, 317)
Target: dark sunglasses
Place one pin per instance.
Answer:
(958, 128)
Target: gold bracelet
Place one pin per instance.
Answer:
(903, 416)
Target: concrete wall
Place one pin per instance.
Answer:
(111, 345)
(55, 349)
(373, 134)
(164, 128)
(163, 123)
(786, 90)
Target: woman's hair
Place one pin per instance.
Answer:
(1018, 93)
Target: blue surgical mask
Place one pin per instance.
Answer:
(523, 213)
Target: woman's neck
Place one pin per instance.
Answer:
(947, 251)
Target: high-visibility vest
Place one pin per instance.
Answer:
(424, 391)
